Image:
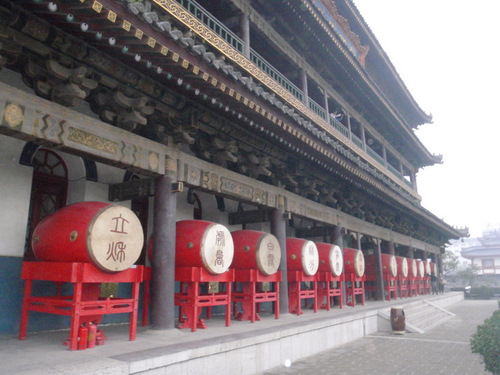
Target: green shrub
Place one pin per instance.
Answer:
(484, 292)
(486, 342)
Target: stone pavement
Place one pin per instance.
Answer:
(442, 350)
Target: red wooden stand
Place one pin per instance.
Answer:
(427, 284)
(412, 286)
(420, 285)
(251, 294)
(74, 306)
(325, 289)
(352, 290)
(191, 301)
(296, 293)
(403, 286)
(390, 285)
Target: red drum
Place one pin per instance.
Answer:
(402, 266)
(107, 235)
(354, 262)
(204, 244)
(330, 258)
(413, 267)
(420, 268)
(389, 264)
(302, 255)
(256, 250)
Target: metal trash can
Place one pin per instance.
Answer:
(398, 320)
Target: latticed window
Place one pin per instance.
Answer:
(48, 190)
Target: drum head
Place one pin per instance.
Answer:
(310, 258)
(336, 260)
(404, 267)
(359, 263)
(268, 254)
(115, 238)
(394, 266)
(427, 268)
(414, 270)
(421, 269)
(217, 249)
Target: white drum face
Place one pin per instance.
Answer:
(414, 270)
(427, 268)
(268, 254)
(404, 267)
(310, 258)
(115, 238)
(217, 249)
(359, 263)
(421, 269)
(336, 260)
(394, 266)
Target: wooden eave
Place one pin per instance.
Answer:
(144, 40)
(365, 87)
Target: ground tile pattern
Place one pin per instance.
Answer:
(442, 350)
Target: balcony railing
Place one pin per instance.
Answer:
(394, 170)
(341, 128)
(277, 76)
(213, 24)
(316, 108)
(374, 155)
(357, 141)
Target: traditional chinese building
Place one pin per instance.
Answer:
(484, 252)
(285, 116)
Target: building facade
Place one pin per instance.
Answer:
(254, 114)
(484, 252)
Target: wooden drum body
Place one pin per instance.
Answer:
(256, 250)
(204, 244)
(302, 255)
(107, 235)
(402, 263)
(354, 262)
(330, 258)
(389, 264)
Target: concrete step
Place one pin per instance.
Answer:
(421, 316)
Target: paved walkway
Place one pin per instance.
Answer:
(442, 350)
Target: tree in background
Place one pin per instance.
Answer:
(450, 262)
(468, 275)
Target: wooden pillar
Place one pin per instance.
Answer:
(305, 90)
(327, 110)
(245, 34)
(336, 239)
(363, 136)
(163, 262)
(278, 229)
(409, 253)
(390, 246)
(358, 237)
(378, 271)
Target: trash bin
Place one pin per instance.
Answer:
(397, 320)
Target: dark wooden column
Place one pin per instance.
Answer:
(278, 229)
(336, 238)
(409, 253)
(163, 262)
(378, 271)
(390, 246)
(245, 34)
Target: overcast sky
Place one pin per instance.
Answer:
(447, 53)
